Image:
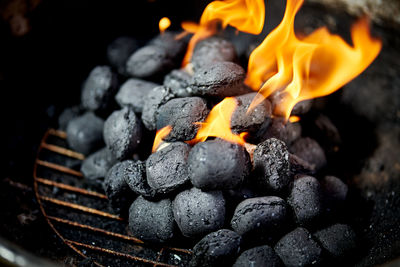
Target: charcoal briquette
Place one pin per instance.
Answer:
(302, 107)
(242, 121)
(338, 239)
(280, 129)
(68, 114)
(335, 191)
(151, 221)
(218, 164)
(133, 93)
(178, 81)
(198, 213)
(135, 177)
(219, 79)
(99, 89)
(122, 133)
(85, 133)
(149, 62)
(260, 217)
(97, 164)
(262, 256)
(271, 165)
(211, 50)
(154, 99)
(216, 249)
(305, 199)
(119, 51)
(297, 248)
(116, 189)
(309, 150)
(182, 114)
(300, 166)
(175, 47)
(166, 169)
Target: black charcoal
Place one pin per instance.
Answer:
(335, 190)
(242, 121)
(97, 164)
(309, 150)
(198, 213)
(182, 114)
(178, 81)
(339, 240)
(135, 177)
(166, 169)
(154, 99)
(302, 107)
(122, 133)
(67, 115)
(218, 164)
(297, 248)
(175, 47)
(235, 196)
(271, 165)
(260, 217)
(262, 256)
(119, 51)
(149, 62)
(220, 79)
(151, 221)
(85, 133)
(212, 50)
(133, 92)
(286, 131)
(116, 189)
(300, 166)
(306, 200)
(216, 249)
(99, 89)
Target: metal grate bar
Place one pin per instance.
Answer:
(80, 207)
(59, 168)
(63, 151)
(119, 254)
(70, 188)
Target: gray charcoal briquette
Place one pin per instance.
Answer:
(305, 199)
(309, 150)
(119, 51)
(261, 216)
(242, 121)
(262, 256)
(335, 192)
(218, 164)
(175, 47)
(67, 115)
(85, 133)
(154, 99)
(178, 81)
(219, 79)
(151, 221)
(297, 249)
(198, 213)
(122, 133)
(182, 114)
(211, 50)
(135, 177)
(133, 93)
(99, 89)
(216, 249)
(166, 169)
(338, 239)
(97, 164)
(302, 107)
(271, 164)
(286, 131)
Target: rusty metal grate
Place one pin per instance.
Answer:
(78, 212)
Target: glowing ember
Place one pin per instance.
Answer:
(218, 125)
(246, 16)
(309, 67)
(164, 24)
(159, 136)
(293, 119)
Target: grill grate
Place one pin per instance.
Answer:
(78, 212)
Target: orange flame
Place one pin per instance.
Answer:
(163, 132)
(245, 15)
(310, 67)
(164, 24)
(218, 124)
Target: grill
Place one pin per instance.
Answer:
(78, 212)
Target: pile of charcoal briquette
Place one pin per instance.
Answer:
(263, 204)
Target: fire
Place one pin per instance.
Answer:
(303, 68)
(163, 132)
(245, 15)
(218, 124)
(164, 24)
